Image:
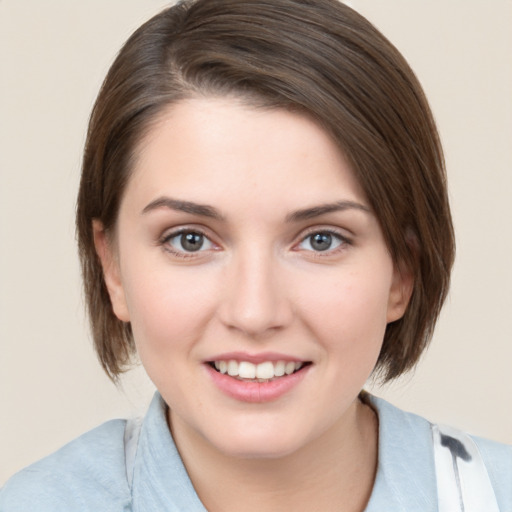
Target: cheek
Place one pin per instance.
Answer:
(350, 312)
(168, 307)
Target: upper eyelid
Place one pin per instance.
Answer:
(172, 232)
(342, 233)
(344, 240)
(345, 234)
(165, 242)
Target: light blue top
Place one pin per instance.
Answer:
(89, 474)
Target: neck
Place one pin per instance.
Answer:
(339, 468)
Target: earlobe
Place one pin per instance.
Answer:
(400, 294)
(111, 272)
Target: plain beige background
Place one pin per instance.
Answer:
(54, 55)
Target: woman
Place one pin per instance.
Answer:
(263, 219)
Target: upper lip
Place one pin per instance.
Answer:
(256, 358)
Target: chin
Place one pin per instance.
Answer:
(253, 451)
(259, 443)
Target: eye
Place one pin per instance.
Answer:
(321, 241)
(187, 242)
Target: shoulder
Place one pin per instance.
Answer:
(407, 433)
(498, 461)
(86, 474)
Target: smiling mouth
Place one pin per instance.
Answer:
(262, 372)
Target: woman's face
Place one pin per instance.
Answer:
(246, 249)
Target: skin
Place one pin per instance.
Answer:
(256, 285)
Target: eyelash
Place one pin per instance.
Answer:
(166, 239)
(343, 240)
(165, 242)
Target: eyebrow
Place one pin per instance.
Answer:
(205, 210)
(184, 206)
(317, 211)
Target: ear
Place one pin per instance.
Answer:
(111, 272)
(400, 293)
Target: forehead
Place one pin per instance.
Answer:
(222, 150)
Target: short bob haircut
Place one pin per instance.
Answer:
(315, 57)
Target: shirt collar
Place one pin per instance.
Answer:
(160, 481)
(405, 478)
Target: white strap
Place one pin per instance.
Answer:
(131, 440)
(463, 484)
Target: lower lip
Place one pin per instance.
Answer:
(256, 392)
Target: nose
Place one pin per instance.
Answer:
(255, 299)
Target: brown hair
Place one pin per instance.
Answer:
(315, 56)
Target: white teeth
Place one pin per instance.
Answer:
(263, 371)
(232, 368)
(279, 368)
(289, 368)
(246, 370)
